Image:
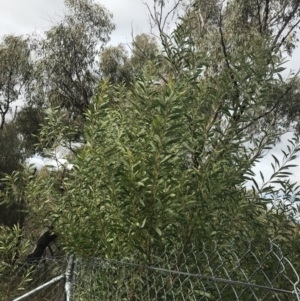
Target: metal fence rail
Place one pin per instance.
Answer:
(212, 272)
(45, 280)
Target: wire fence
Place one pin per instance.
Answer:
(213, 272)
(28, 277)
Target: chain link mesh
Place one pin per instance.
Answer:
(31, 275)
(215, 271)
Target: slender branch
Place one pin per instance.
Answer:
(172, 11)
(162, 77)
(266, 15)
(266, 113)
(157, 17)
(259, 16)
(223, 45)
(154, 19)
(161, 12)
(291, 29)
(15, 113)
(226, 57)
(288, 19)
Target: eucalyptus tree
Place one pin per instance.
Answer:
(278, 19)
(115, 64)
(224, 29)
(28, 123)
(15, 70)
(15, 75)
(67, 72)
(11, 158)
(64, 74)
(144, 48)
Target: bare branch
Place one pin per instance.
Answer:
(267, 112)
(288, 33)
(288, 19)
(266, 15)
(259, 16)
(156, 17)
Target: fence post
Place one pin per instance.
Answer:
(40, 288)
(69, 278)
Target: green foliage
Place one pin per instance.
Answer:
(276, 18)
(166, 164)
(224, 31)
(66, 71)
(28, 124)
(11, 154)
(118, 66)
(12, 247)
(11, 157)
(115, 64)
(15, 71)
(144, 49)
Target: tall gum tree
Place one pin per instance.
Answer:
(15, 69)
(15, 75)
(117, 65)
(225, 28)
(67, 72)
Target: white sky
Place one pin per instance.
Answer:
(26, 16)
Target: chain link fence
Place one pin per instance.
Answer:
(213, 272)
(33, 277)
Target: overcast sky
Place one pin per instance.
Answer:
(26, 16)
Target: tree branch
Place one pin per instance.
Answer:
(291, 29)
(266, 113)
(288, 19)
(266, 15)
